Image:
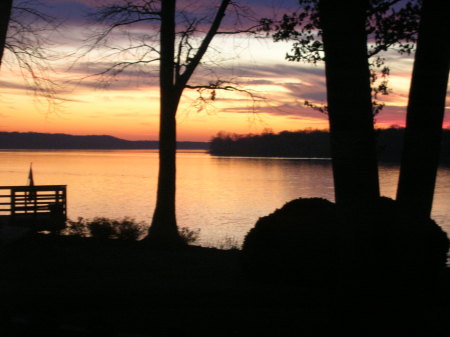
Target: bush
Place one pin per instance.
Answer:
(76, 228)
(189, 236)
(129, 229)
(397, 245)
(306, 241)
(296, 242)
(228, 243)
(105, 228)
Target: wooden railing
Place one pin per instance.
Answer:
(33, 202)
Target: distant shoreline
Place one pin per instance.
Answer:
(306, 145)
(102, 149)
(311, 144)
(59, 141)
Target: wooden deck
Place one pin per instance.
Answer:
(40, 207)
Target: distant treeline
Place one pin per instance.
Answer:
(310, 144)
(59, 141)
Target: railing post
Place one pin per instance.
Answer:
(64, 191)
(35, 201)
(13, 203)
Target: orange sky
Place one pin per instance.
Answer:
(128, 108)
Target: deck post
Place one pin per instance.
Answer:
(13, 203)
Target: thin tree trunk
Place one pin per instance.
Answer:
(352, 136)
(163, 229)
(420, 157)
(5, 14)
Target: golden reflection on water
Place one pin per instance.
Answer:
(223, 196)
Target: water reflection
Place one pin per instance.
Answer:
(224, 196)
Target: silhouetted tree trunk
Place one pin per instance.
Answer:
(179, 52)
(420, 157)
(163, 230)
(164, 225)
(5, 14)
(353, 148)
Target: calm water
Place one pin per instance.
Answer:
(222, 196)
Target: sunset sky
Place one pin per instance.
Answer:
(128, 106)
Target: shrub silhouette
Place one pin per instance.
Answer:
(189, 235)
(76, 228)
(305, 241)
(296, 242)
(105, 228)
(124, 229)
(393, 245)
(129, 229)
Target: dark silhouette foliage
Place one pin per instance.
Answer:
(390, 144)
(392, 244)
(311, 144)
(296, 242)
(385, 247)
(105, 228)
(390, 25)
(284, 144)
(125, 229)
(189, 236)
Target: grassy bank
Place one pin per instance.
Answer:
(67, 286)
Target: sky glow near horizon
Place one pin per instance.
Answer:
(129, 106)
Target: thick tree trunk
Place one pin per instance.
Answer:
(352, 136)
(420, 157)
(163, 229)
(5, 14)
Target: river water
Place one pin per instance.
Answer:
(221, 196)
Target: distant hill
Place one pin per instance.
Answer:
(60, 141)
(311, 144)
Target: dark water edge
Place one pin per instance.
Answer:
(64, 286)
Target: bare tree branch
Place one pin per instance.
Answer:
(190, 67)
(29, 47)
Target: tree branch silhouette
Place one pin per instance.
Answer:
(390, 25)
(157, 32)
(28, 46)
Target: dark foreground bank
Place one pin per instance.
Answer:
(67, 286)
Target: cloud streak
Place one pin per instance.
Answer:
(254, 64)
